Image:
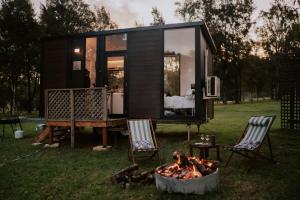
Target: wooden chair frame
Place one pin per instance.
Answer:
(253, 154)
(131, 152)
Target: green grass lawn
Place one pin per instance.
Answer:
(80, 173)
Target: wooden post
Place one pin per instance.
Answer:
(50, 134)
(191, 151)
(189, 132)
(218, 153)
(104, 93)
(104, 137)
(270, 147)
(72, 118)
(198, 128)
(46, 101)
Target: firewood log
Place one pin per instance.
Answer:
(200, 167)
(124, 174)
(142, 176)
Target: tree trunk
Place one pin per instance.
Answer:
(13, 106)
(237, 91)
(239, 80)
(13, 87)
(29, 100)
(224, 98)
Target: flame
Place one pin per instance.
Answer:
(190, 169)
(209, 164)
(196, 173)
(178, 161)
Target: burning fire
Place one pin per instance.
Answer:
(187, 167)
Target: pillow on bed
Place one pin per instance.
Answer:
(189, 92)
(189, 97)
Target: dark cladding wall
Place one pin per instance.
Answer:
(145, 60)
(55, 63)
(55, 70)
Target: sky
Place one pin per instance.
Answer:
(126, 12)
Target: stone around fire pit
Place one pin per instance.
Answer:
(199, 185)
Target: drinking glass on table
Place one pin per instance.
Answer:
(207, 138)
(202, 137)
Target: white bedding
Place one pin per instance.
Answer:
(179, 102)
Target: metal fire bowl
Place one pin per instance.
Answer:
(188, 186)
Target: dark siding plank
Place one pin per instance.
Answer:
(145, 74)
(55, 64)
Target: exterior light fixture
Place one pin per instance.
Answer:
(77, 50)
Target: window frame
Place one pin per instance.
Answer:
(115, 51)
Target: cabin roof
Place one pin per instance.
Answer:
(202, 24)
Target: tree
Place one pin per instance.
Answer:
(4, 88)
(280, 36)
(293, 40)
(60, 17)
(195, 10)
(19, 41)
(157, 17)
(229, 23)
(256, 76)
(278, 23)
(103, 20)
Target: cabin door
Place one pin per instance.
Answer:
(115, 65)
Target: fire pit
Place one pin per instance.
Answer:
(188, 175)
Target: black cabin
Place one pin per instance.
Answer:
(159, 72)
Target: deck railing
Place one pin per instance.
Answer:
(80, 104)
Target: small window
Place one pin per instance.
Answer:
(77, 65)
(116, 42)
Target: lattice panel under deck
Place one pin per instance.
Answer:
(88, 104)
(59, 104)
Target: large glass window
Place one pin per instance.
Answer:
(179, 72)
(90, 59)
(115, 73)
(115, 68)
(116, 42)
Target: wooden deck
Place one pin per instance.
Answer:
(78, 107)
(103, 124)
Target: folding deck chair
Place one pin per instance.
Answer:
(254, 135)
(141, 138)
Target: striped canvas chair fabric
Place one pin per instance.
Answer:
(255, 133)
(141, 135)
(252, 138)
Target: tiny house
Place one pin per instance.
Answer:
(159, 72)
